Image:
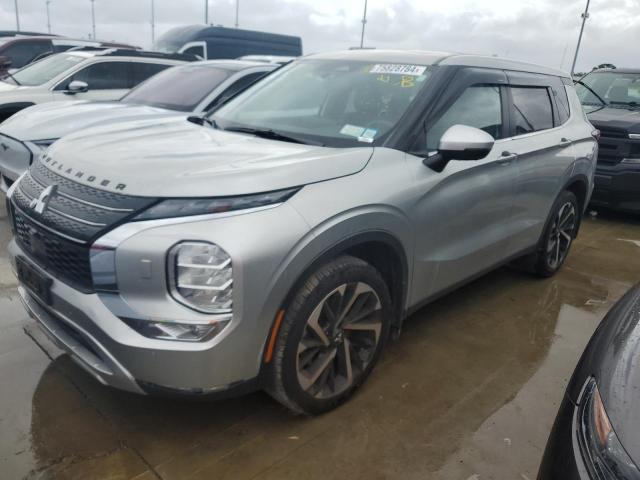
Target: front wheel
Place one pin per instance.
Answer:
(558, 237)
(332, 334)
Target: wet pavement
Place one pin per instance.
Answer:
(469, 391)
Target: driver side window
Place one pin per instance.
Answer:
(478, 106)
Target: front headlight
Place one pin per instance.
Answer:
(184, 207)
(604, 455)
(201, 277)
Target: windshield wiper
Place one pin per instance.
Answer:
(271, 135)
(631, 104)
(8, 75)
(604, 102)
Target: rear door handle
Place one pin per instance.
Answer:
(506, 158)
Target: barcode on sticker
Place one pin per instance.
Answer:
(396, 69)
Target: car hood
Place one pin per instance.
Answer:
(176, 158)
(614, 360)
(619, 118)
(53, 120)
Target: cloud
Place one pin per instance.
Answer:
(542, 31)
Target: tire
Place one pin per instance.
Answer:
(342, 307)
(555, 242)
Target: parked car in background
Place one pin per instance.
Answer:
(210, 42)
(277, 244)
(612, 101)
(194, 88)
(19, 51)
(596, 435)
(82, 75)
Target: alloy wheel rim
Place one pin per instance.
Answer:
(561, 235)
(339, 341)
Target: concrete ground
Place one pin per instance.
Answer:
(469, 391)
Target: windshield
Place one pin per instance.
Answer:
(621, 89)
(46, 69)
(332, 102)
(178, 88)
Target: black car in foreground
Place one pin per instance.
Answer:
(612, 102)
(597, 432)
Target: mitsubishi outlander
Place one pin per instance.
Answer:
(280, 242)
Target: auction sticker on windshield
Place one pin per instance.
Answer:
(395, 69)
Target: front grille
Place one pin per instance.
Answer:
(60, 238)
(610, 132)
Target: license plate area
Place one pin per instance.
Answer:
(31, 278)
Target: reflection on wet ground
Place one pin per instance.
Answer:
(469, 390)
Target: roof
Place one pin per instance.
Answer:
(101, 51)
(235, 65)
(422, 57)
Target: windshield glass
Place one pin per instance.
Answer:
(332, 102)
(612, 87)
(178, 88)
(46, 69)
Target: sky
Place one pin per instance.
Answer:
(540, 31)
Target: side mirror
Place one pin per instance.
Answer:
(5, 63)
(77, 86)
(461, 142)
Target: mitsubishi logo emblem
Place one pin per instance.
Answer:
(4, 146)
(40, 204)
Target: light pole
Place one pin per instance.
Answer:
(364, 22)
(17, 16)
(237, 13)
(153, 22)
(93, 18)
(206, 12)
(585, 15)
(48, 16)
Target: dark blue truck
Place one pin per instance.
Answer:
(209, 42)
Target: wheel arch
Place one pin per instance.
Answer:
(384, 250)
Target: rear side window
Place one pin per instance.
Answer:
(236, 87)
(143, 71)
(531, 110)
(478, 106)
(562, 101)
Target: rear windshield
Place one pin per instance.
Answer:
(179, 88)
(47, 69)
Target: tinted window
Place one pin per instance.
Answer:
(235, 88)
(562, 100)
(23, 53)
(479, 107)
(143, 71)
(179, 88)
(532, 110)
(104, 76)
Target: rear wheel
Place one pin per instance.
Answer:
(558, 237)
(331, 337)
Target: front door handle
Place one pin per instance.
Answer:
(565, 141)
(506, 158)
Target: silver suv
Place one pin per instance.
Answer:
(281, 242)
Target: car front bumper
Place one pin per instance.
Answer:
(617, 187)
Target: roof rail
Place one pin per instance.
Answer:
(126, 52)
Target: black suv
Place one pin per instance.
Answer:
(611, 99)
